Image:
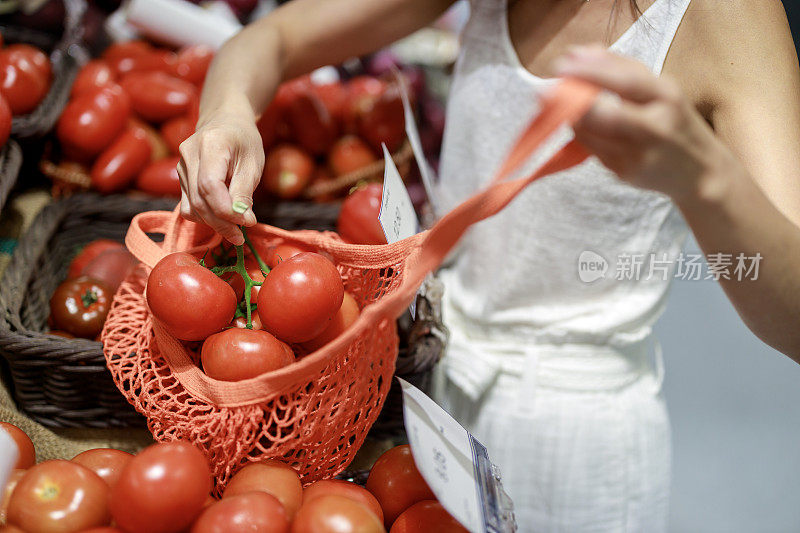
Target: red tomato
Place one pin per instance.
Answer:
(287, 171)
(344, 318)
(160, 178)
(241, 322)
(127, 49)
(424, 516)
(155, 61)
(188, 299)
(21, 83)
(300, 297)
(176, 131)
(397, 484)
(5, 121)
(94, 74)
(93, 120)
(272, 477)
(162, 489)
(335, 514)
(121, 162)
(334, 97)
(236, 354)
(385, 121)
(105, 462)
(269, 124)
(281, 252)
(237, 282)
(358, 221)
(311, 124)
(349, 154)
(27, 453)
(157, 97)
(362, 91)
(192, 63)
(80, 306)
(103, 530)
(253, 511)
(349, 490)
(37, 58)
(111, 267)
(59, 495)
(89, 252)
(11, 484)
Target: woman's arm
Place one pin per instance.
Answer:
(739, 189)
(294, 39)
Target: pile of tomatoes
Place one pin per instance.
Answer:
(252, 312)
(166, 488)
(129, 110)
(25, 78)
(314, 132)
(79, 306)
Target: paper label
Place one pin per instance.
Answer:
(445, 456)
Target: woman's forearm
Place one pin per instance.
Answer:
(730, 214)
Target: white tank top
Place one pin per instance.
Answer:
(516, 274)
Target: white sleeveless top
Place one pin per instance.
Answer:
(516, 275)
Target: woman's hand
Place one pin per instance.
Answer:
(648, 132)
(220, 167)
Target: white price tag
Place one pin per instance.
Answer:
(425, 171)
(452, 462)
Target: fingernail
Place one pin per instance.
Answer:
(240, 207)
(250, 218)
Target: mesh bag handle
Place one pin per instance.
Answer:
(420, 254)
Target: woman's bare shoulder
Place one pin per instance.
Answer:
(725, 45)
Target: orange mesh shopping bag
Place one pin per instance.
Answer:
(315, 413)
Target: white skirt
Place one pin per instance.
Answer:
(580, 433)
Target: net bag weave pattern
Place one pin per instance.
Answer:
(315, 413)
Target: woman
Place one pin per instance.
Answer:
(552, 374)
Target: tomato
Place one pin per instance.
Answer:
(287, 171)
(269, 124)
(93, 120)
(252, 511)
(80, 306)
(159, 149)
(334, 97)
(25, 52)
(188, 299)
(162, 489)
(27, 453)
(157, 97)
(300, 297)
(359, 221)
(335, 514)
(424, 516)
(241, 321)
(21, 83)
(89, 252)
(397, 484)
(236, 354)
(272, 477)
(157, 60)
(5, 121)
(237, 282)
(344, 318)
(111, 267)
(94, 74)
(311, 124)
(176, 131)
(103, 530)
(384, 122)
(59, 495)
(160, 178)
(281, 252)
(349, 490)
(11, 484)
(349, 154)
(121, 162)
(362, 91)
(105, 462)
(126, 49)
(192, 63)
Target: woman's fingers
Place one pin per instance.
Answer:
(244, 181)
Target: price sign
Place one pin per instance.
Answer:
(455, 465)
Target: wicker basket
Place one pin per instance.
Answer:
(10, 163)
(66, 57)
